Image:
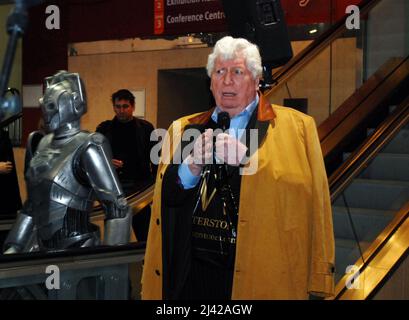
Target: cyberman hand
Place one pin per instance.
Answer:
(229, 150)
(202, 152)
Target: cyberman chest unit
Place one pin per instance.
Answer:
(55, 170)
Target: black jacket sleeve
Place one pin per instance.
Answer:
(173, 193)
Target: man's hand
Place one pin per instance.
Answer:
(117, 163)
(229, 150)
(202, 152)
(6, 167)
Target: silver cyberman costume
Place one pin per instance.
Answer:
(69, 170)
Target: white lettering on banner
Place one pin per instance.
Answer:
(183, 19)
(214, 15)
(184, 2)
(180, 2)
(218, 15)
(303, 3)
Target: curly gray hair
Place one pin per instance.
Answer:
(230, 48)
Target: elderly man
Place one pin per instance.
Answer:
(218, 232)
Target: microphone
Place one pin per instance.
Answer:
(223, 120)
(222, 181)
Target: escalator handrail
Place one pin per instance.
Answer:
(136, 201)
(368, 150)
(390, 246)
(361, 110)
(7, 121)
(371, 87)
(350, 169)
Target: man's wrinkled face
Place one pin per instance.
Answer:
(233, 85)
(123, 110)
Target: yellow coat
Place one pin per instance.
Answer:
(285, 242)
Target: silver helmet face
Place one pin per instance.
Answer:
(55, 107)
(63, 101)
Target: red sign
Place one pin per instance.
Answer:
(188, 16)
(315, 11)
(158, 17)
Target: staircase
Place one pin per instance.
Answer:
(372, 198)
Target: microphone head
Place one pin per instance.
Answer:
(223, 120)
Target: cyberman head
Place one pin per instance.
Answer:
(64, 101)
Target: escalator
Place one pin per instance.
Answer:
(358, 96)
(356, 87)
(370, 194)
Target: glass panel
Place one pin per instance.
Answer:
(96, 275)
(371, 201)
(387, 34)
(326, 81)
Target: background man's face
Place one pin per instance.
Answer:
(232, 85)
(123, 110)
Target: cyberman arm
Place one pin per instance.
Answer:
(95, 161)
(32, 143)
(22, 234)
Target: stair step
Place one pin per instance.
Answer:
(392, 108)
(347, 253)
(346, 155)
(370, 131)
(375, 194)
(388, 166)
(368, 223)
(399, 144)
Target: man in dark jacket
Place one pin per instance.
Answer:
(9, 190)
(131, 144)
